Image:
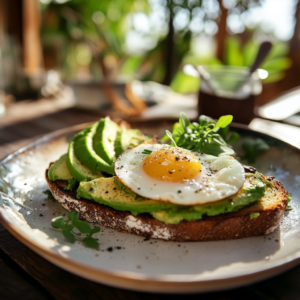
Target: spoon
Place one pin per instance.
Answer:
(262, 53)
(206, 78)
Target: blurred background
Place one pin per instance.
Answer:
(49, 44)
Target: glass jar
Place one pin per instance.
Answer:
(233, 92)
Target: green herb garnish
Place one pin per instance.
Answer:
(147, 152)
(49, 194)
(289, 199)
(252, 148)
(72, 221)
(254, 215)
(72, 183)
(207, 136)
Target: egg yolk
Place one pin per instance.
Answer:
(173, 165)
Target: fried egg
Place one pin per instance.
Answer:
(179, 176)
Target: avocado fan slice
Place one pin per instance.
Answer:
(128, 138)
(77, 169)
(59, 170)
(84, 151)
(104, 139)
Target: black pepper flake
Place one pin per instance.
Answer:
(91, 189)
(114, 189)
(146, 239)
(179, 191)
(139, 188)
(41, 215)
(43, 204)
(170, 173)
(106, 192)
(118, 247)
(110, 249)
(177, 158)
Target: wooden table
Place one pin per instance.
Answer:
(26, 275)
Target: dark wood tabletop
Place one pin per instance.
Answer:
(26, 275)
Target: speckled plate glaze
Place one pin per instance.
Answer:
(132, 262)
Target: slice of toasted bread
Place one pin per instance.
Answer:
(223, 227)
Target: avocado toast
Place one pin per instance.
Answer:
(101, 197)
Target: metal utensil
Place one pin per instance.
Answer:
(7, 198)
(282, 107)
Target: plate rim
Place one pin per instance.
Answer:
(137, 281)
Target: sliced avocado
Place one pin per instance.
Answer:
(77, 169)
(104, 139)
(84, 151)
(104, 191)
(59, 170)
(128, 138)
(253, 189)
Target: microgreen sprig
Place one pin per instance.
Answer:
(48, 194)
(72, 221)
(252, 148)
(147, 152)
(207, 136)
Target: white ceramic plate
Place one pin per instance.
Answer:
(136, 263)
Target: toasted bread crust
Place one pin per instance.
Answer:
(223, 227)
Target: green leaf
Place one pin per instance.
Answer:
(233, 55)
(82, 226)
(67, 227)
(90, 242)
(96, 229)
(147, 152)
(183, 83)
(184, 120)
(72, 183)
(254, 215)
(233, 138)
(203, 137)
(277, 64)
(49, 194)
(249, 53)
(57, 222)
(215, 149)
(278, 50)
(165, 138)
(169, 134)
(69, 236)
(252, 148)
(205, 120)
(289, 198)
(224, 121)
(73, 215)
(274, 76)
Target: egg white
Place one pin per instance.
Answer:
(221, 177)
